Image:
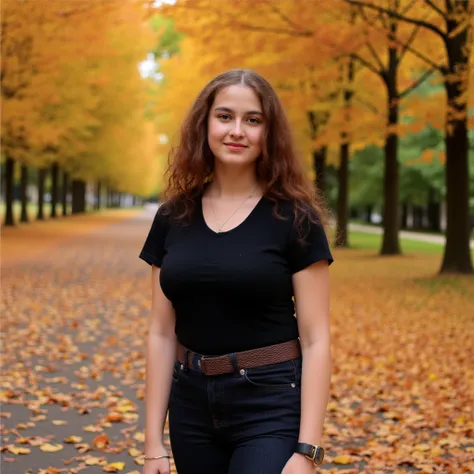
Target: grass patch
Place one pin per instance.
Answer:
(367, 241)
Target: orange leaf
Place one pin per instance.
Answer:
(100, 441)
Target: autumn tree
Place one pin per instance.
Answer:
(450, 23)
(73, 96)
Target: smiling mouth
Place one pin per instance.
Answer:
(235, 145)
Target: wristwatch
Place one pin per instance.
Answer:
(315, 453)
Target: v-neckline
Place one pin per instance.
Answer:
(226, 232)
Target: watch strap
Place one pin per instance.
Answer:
(315, 453)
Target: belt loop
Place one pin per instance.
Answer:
(233, 358)
(186, 359)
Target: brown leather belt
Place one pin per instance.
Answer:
(218, 365)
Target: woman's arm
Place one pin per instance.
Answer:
(311, 289)
(160, 357)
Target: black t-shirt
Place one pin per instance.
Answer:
(232, 291)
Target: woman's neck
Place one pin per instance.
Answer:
(229, 184)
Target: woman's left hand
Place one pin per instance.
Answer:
(299, 464)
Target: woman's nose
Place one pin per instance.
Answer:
(237, 128)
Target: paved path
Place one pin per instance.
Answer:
(436, 239)
(74, 314)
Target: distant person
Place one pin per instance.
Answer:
(239, 234)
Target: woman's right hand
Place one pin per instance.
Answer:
(157, 466)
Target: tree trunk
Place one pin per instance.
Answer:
(41, 182)
(319, 163)
(457, 254)
(98, 195)
(433, 211)
(78, 196)
(54, 188)
(368, 213)
(404, 223)
(343, 198)
(24, 193)
(390, 242)
(342, 239)
(65, 192)
(9, 182)
(418, 217)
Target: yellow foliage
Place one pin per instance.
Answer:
(72, 90)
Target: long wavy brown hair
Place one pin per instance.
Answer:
(279, 168)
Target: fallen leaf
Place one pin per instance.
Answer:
(343, 459)
(114, 417)
(51, 448)
(100, 441)
(422, 447)
(73, 439)
(94, 461)
(114, 467)
(134, 452)
(18, 450)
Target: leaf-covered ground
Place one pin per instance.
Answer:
(75, 298)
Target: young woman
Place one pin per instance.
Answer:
(237, 248)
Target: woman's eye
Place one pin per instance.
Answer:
(254, 120)
(223, 116)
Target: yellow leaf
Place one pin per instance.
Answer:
(93, 461)
(18, 450)
(139, 436)
(134, 452)
(82, 447)
(140, 460)
(73, 439)
(114, 467)
(343, 459)
(59, 422)
(92, 428)
(333, 406)
(51, 448)
(422, 447)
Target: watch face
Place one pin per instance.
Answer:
(319, 455)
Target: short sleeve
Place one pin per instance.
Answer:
(314, 248)
(154, 248)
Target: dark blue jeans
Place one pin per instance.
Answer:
(241, 423)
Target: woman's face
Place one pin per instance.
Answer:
(235, 126)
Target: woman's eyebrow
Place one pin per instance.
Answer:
(250, 112)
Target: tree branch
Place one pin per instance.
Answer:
(396, 15)
(236, 23)
(442, 69)
(369, 66)
(419, 81)
(375, 55)
(408, 7)
(370, 106)
(435, 8)
(408, 43)
(264, 29)
(283, 16)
